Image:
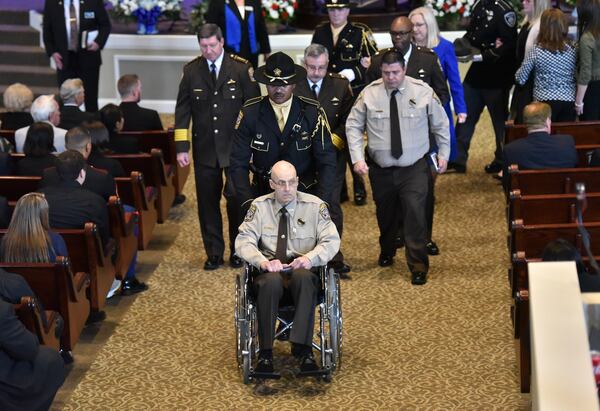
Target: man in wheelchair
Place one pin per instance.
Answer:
(285, 234)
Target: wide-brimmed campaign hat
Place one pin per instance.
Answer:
(338, 4)
(279, 70)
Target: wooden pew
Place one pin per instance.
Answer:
(30, 315)
(156, 174)
(584, 132)
(59, 290)
(13, 187)
(165, 141)
(9, 135)
(554, 181)
(122, 226)
(133, 190)
(584, 152)
(551, 208)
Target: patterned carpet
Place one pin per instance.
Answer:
(446, 345)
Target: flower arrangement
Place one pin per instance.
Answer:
(196, 16)
(279, 11)
(146, 12)
(445, 8)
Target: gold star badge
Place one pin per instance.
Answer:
(277, 72)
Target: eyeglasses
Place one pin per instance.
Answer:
(286, 184)
(400, 33)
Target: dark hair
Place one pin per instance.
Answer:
(69, 165)
(40, 140)
(77, 138)
(110, 115)
(127, 84)
(392, 57)
(208, 30)
(98, 133)
(562, 250)
(554, 29)
(588, 17)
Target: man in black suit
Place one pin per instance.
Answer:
(421, 63)
(539, 149)
(96, 180)
(72, 95)
(74, 44)
(136, 118)
(333, 92)
(211, 93)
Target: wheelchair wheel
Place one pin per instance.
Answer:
(240, 322)
(333, 336)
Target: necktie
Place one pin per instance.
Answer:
(396, 139)
(213, 72)
(314, 91)
(73, 27)
(280, 118)
(282, 233)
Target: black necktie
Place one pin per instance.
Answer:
(213, 72)
(282, 233)
(314, 90)
(73, 27)
(396, 139)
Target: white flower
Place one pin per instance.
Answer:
(273, 14)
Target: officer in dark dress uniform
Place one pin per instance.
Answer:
(282, 126)
(334, 94)
(212, 91)
(492, 32)
(350, 46)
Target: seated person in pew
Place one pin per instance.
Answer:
(29, 238)
(30, 375)
(44, 108)
(96, 180)
(17, 100)
(38, 148)
(100, 142)
(540, 149)
(263, 242)
(4, 212)
(136, 118)
(112, 118)
(562, 250)
(72, 95)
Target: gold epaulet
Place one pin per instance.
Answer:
(425, 49)
(336, 75)
(382, 51)
(309, 100)
(253, 101)
(238, 58)
(361, 25)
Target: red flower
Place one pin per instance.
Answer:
(275, 6)
(295, 5)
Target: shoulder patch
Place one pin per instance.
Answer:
(250, 214)
(238, 58)
(309, 100)
(324, 211)
(253, 101)
(510, 19)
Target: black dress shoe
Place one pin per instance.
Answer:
(235, 261)
(95, 316)
(432, 248)
(385, 260)
(308, 364)
(213, 262)
(419, 278)
(179, 199)
(360, 199)
(459, 168)
(340, 267)
(264, 366)
(493, 167)
(133, 286)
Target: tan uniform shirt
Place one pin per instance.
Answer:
(419, 111)
(311, 233)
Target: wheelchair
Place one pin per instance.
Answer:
(328, 341)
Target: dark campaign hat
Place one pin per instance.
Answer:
(279, 70)
(338, 4)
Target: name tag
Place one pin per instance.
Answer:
(89, 15)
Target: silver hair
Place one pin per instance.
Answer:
(315, 50)
(70, 89)
(43, 107)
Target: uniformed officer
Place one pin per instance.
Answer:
(287, 230)
(420, 62)
(350, 46)
(334, 94)
(493, 32)
(211, 93)
(282, 126)
(399, 113)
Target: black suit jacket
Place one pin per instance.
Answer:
(15, 120)
(139, 118)
(335, 97)
(99, 160)
(539, 150)
(35, 166)
(72, 116)
(97, 181)
(423, 64)
(92, 16)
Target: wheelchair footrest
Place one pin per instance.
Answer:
(321, 372)
(265, 375)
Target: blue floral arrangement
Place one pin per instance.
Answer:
(145, 12)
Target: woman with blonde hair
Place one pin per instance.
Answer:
(17, 100)
(29, 238)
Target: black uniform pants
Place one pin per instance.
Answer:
(269, 289)
(89, 75)
(335, 208)
(209, 187)
(496, 101)
(400, 195)
(591, 102)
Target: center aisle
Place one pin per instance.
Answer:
(446, 345)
